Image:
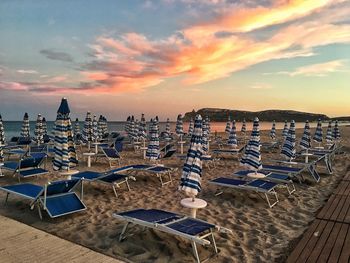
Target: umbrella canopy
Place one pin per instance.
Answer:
(153, 146)
(105, 126)
(336, 132)
(244, 127)
(207, 120)
(100, 127)
(142, 127)
(285, 130)
(318, 133)
(2, 138)
(25, 131)
(127, 125)
(192, 170)
(87, 130)
(232, 139)
(76, 127)
(205, 137)
(305, 141)
(273, 131)
(167, 130)
(179, 126)
(252, 157)
(132, 129)
(137, 129)
(288, 148)
(95, 136)
(190, 127)
(65, 155)
(228, 125)
(44, 127)
(329, 135)
(38, 132)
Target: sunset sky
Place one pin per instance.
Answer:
(171, 56)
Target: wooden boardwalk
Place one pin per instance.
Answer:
(328, 237)
(21, 243)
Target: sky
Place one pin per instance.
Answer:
(167, 57)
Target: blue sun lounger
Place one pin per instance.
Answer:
(112, 156)
(259, 186)
(193, 229)
(27, 167)
(282, 179)
(159, 170)
(233, 152)
(56, 198)
(113, 177)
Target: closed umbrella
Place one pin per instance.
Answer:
(329, 135)
(273, 131)
(288, 148)
(305, 142)
(65, 155)
(44, 127)
(95, 135)
(336, 132)
(190, 127)
(167, 130)
(205, 139)
(25, 130)
(228, 125)
(318, 133)
(153, 146)
(76, 127)
(285, 130)
(38, 132)
(87, 130)
(2, 139)
(232, 140)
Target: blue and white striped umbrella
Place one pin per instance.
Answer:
(65, 155)
(285, 130)
(205, 137)
(95, 136)
(38, 132)
(25, 131)
(207, 120)
(232, 139)
(142, 127)
(179, 126)
(252, 157)
(153, 146)
(127, 125)
(305, 141)
(192, 170)
(137, 129)
(2, 138)
(336, 132)
(288, 148)
(167, 130)
(190, 127)
(76, 127)
(44, 126)
(132, 131)
(105, 126)
(100, 127)
(244, 127)
(318, 133)
(87, 130)
(273, 131)
(228, 125)
(329, 135)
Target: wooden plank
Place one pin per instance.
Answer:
(343, 188)
(294, 256)
(326, 207)
(329, 245)
(320, 242)
(344, 214)
(346, 177)
(332, 206)
(345, 253)
(338, 246)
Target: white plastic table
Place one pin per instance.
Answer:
(69, 173)
(144, 149)
(88, 158)
(256, 175)
(194, 204)
(96, 146)
(306, 156)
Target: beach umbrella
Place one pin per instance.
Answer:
(2, 138)
(65, 156)
(190, 127)
(127, 125)
(87, 129)
(167, 130)
(207, 119)
(336, 132)
(132, 129)
(252, 157)
(179, 126)
(100, 127)
(288, 148)
(105, 126)
(137, 128)
(44, 127)
(95, 135)
(305, 141)
(38, 132)
(232, 139)
(318, 133)
(205, 139)
(76, 127)
(153, 146)
(25, 131)
(329, 135)
(273, 131)
(142, 127)
(228, 125)
(192, 170)
(285, 130)
(244, 127)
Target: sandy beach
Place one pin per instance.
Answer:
(260, 234)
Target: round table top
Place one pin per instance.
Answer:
(196, 203)
(306, 154)
(143, 148)
(89, 154)
(69, 172)
(256, 175)
(181, 142)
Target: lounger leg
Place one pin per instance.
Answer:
(268, 200)
(195, 252)
(82, 190)
(127, 184)
(328, 165)
(115, 191)
(293, 188)
(40, 215)
(161, 180)
(7, 197)
(122, 234)
(212, 239)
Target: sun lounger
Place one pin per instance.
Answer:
(112, 156)
(27, 167)
(158, 170)
(56, 198)
(233, 152)
(259, 186)
(282, 179)
(195, 230)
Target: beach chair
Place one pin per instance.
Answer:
(232, 152)
(113, 177)
(282, 179)
(270, 146)
(259, 186)
(159, 171)
(27, 167)
(56, 198)
(112, 156)
(195, 230)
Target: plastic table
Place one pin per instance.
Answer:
(88, 158)
(194, 204)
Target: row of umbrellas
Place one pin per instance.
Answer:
(93, 130)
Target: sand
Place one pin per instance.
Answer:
(260, 234)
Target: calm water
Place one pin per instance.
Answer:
(13, 128)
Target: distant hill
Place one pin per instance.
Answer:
(268, 115)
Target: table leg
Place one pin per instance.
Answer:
(193, 212)
(89, 161)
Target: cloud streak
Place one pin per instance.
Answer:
(56, 55)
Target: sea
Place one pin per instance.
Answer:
(13, 128)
